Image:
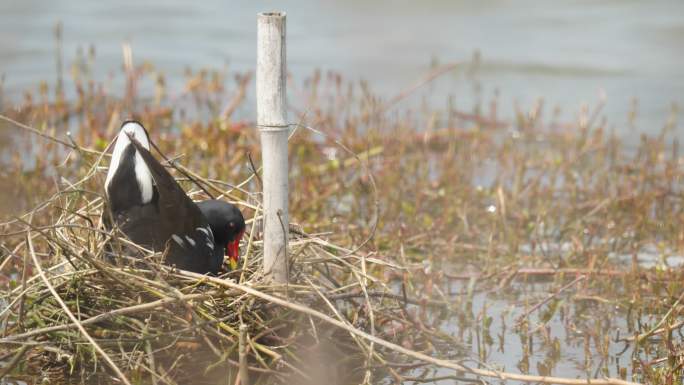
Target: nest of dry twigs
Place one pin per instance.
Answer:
(77, 314)
(84, 317)
(474, 211)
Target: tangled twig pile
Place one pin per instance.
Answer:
(84, 317)
(144, 319)
(482, 224)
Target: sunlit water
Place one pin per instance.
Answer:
(577, 356)
(569, 51)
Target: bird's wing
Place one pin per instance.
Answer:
(175, 206)
(181, 222)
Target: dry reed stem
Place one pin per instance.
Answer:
(73, 318)
(104, 316)
(431, 218)
(524, 316)
(400, 349)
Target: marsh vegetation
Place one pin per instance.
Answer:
(533, 245)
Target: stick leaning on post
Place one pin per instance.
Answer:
(274, 130)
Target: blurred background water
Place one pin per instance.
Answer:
(568, 52)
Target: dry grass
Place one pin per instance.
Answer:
(402, 224)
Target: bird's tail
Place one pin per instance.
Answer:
(142, 172)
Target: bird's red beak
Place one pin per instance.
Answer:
(233, 251)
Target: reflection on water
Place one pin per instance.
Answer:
(565, 51)
(566, 346)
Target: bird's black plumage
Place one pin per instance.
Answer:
(165, 218)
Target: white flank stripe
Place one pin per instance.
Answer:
(142, 173)
(206, 231)
(190, 241)
(202, 229)
(178, 240)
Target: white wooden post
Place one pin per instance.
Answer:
(272, 122)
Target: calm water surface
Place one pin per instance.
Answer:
(567, 51)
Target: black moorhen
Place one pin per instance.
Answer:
(149, 206)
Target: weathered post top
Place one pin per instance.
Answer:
(271, 70)
(272, 122)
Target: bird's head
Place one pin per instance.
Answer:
(228, 226)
